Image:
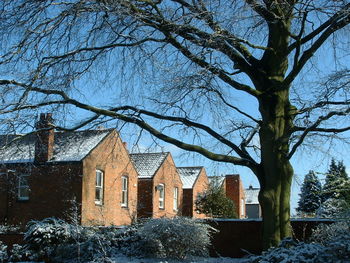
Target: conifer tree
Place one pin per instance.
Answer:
(337, 184)
(310, 196)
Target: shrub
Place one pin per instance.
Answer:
(3, 252)
(324, 233)
(175, 238)
(5, 229)
(333, 208)
(215, 203)
(331, 249)
(57, 241)
(289, 251)
(44, 236)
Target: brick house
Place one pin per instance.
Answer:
(195, 181)
(50, 174)
(253, 207)
(159, 185)
(234, 190)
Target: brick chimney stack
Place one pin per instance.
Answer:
(235, 191)
(44, 138)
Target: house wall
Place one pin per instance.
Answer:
(200, 186)
(253, 211)
(167, 175)
(111, 157)
(235, 191)
(54, 190)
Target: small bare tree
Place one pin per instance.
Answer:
(231, 80)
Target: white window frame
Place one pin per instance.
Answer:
(99, 187)
(242, 207)
(176, 199)
(125, 191)
(23, 185)
(161, 189)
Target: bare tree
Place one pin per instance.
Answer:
(232, 80)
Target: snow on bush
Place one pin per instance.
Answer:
(332, 245)
(3, 252)
(289, 251)
(332, 208)
(5, 229)
(44, 236)
(177, 238)
(324, 233)
(59, 241)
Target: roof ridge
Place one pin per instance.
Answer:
(184, 167)
(152, 153)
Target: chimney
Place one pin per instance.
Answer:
(44, 138)
(125, 145)
(234, 191)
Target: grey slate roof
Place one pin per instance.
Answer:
(147, 164)
(251, 196)
(68, 146)
(188, 175)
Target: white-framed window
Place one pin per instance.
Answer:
(99, 187)
(161, 195)
(125, 186)
(23, 187)
(176, 199)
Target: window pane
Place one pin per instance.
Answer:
(176, 193)
(23, 187)
(99, 187)
(124, 202)
(161, 196)
(98, 178)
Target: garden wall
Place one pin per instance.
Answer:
(237, 238)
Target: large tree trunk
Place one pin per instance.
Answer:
(274, 198)
(275, 172)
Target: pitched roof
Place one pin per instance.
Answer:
(189, 175)
(251, 196)
(68, 146)
(217, 180)
(147, 164)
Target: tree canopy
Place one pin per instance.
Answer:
(235, 81)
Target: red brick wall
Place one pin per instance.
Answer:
(112, 158)
(167, 175)
(52, 188)
(200, 186)
(235, 191)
